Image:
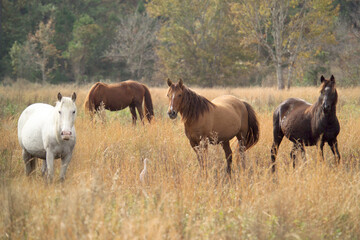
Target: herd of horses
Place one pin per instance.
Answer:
(48, 132)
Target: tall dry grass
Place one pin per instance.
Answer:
(102, 197)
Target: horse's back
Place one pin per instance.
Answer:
(294, 119)
(230, 115)
(30, 125)
(117, 96)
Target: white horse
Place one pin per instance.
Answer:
(48, 133)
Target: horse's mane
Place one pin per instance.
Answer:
(194, 105)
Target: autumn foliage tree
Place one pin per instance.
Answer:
(198, 41)
(37, 52)
(285, 29)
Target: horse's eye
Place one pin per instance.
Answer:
(59, 112)
(73, 112)
(179, 95)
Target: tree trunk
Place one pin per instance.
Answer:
(289, 76)
(43, 73)
(1, 31)
(279, 76)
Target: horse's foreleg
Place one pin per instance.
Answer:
(334, 148)
(228, 156)
(303, 153)
(64, 164)
(133, 113)
(196, 147)
(50, 165)
(321, 153)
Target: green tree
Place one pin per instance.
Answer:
(84, 45)
(198, 41)
(18, 19)
(286, 29)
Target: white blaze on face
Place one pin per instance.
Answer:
(172, 102)
(327, 89)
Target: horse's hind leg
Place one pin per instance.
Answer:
(292, 154)
(278, 136)
(30, 163)
(138, 106)
(133, 113)
(242, 149)
(43, 168)
(334, 148)
(228, 155)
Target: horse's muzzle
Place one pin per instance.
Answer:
(65, 135)
(326, 108)
(172, 114)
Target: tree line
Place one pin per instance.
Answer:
(205, 42)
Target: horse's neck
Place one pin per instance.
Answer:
(188, 111)
(320, 121)
(56, 124)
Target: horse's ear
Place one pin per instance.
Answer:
(322, 78)
(73, 96)
(180, 83)
(59, 97)
(332, 79)
(169, 82)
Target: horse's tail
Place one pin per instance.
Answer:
(148, 106)
(252, 136)
(89, 102)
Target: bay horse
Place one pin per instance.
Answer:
(305, 124)
(48, 132)
(218, 120)
(118, 96)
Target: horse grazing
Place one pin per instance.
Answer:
(118, 96)
(305, 124)
(220, 120)
(48, 133)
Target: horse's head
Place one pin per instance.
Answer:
(66, 111)
(328, 97)
(175, 95)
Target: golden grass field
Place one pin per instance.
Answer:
(102, 197)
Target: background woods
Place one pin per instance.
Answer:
(208, 43)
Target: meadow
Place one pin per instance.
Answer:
(102, 197)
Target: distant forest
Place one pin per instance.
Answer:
(207, 43)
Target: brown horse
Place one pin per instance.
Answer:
(220, 120)
(118, 96)
(305, 124)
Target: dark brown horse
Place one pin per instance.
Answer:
(305, 124)
(220, 120)
(118, 96)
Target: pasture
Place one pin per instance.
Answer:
(103, 198)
